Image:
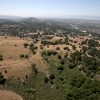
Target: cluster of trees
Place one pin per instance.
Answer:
(50, 78)
(52, 43)
(89, 65)
(79, 87)
(48, 53)
(84, 49)
(23, 56)
(93, 52)
(33, 48)
(93, 43)
(83, 89)
(90, 43)
(84, 42)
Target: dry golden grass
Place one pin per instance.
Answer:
(12, 62)
(13, 65)
(39, 61)
(17, 67)
(12, 47)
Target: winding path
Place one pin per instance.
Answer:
(37, 59)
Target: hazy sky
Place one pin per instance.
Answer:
(50, 8)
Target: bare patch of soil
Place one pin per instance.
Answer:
(9, 95)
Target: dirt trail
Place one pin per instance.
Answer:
(41, 64)
(9, 95)
(39, 61)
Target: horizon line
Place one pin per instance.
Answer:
(82, 17)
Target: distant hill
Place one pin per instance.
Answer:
(32, 19)
(18, 19)
(10, 17)
(68, 19)
(4, 18)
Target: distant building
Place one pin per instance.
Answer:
(90, 36)
(33, 35)
(83, 31)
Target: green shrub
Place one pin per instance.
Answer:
(46, 79)
(59, 57)
(51, 76)
(71, 65)
(22, 56)
(26, 56)
(1, 58)
(2, 79)
(61, 68)
(57, 48)
(34, 68)
(25, 45)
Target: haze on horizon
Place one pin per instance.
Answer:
(50, 8)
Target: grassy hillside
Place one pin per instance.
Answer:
(56, 68)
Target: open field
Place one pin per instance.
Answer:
(11, 48)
